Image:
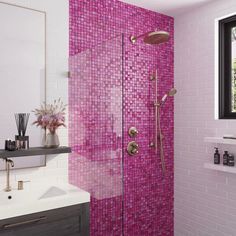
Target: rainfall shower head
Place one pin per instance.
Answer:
(171, 93)
(153, 38)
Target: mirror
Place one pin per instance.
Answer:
(22, 73)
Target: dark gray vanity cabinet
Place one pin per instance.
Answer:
(67, 221)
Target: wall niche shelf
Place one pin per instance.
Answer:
(220, 140)
(222, 168)
(34, 151)
(228, 169)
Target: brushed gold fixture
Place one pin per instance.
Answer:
(153, 37)
(133, 39)
(171, 93)
(158, 136)
(133, 132)
(20, 185)
(132, 148)
(151, 144)
(9, 164)
(158, 122)
(152, 77)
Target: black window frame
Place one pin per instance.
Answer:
(225, 69)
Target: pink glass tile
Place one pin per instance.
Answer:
(129, 194)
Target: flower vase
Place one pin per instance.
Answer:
(51, 140)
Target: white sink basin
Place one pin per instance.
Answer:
(37, 198)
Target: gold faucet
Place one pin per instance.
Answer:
(9, 164)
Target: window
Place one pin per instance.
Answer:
(227, 68)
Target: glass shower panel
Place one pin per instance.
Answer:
(95, 132)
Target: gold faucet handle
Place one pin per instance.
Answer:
(21, 184)
(133, 132)
(132, 148)
(134, 151)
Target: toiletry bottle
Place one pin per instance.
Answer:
(231, 160)
(225, 158)
(216, 156)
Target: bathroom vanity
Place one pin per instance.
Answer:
(73, 221)
(27, 60)
(45, 211)
(42, 209)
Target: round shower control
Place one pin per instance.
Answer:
(132, 148)
(133, 132)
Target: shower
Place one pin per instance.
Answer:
(158, 104)
(153, 37)
(171, 93)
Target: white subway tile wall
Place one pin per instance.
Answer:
(57, 67)
(205, 200)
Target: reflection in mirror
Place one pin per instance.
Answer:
(22, 71)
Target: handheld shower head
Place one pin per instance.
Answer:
(171, 93)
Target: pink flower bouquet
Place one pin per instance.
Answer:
(51, 116)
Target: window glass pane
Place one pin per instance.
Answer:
(233, 67)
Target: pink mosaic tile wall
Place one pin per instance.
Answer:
(107, 95)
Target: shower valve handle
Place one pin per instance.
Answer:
(133, 132)
(134, 151)
(132, 148)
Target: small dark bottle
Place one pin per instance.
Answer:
(7, 142)
(216, 156)
(225, 158)
(231, 160)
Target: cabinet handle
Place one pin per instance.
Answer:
(9, 226)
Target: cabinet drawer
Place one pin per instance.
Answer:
(73, 221)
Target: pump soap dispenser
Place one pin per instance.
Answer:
(216, 156)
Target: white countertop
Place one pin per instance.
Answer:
(38, 198)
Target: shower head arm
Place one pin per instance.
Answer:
(133, 38)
